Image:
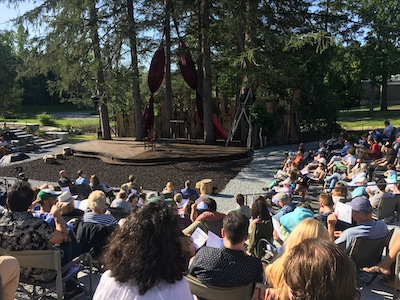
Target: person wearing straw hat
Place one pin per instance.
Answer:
(68, 209)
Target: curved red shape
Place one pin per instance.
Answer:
(187, 66)
(156, 71)
(148, 115)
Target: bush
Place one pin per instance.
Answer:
(46, 119)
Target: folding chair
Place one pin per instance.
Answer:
(205, 292)
(261, 230)
(213, 226)
(83, 191)
(367, 252)
(49, 259)
(387, 208)
(266, 251)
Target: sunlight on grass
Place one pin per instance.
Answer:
(75, 138)
(363, 119)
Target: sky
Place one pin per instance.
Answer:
(6, 13)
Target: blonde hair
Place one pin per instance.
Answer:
(308, 228)
(169, 186)
(97, 201)
(178, 198)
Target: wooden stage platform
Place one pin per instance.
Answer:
(127, 151)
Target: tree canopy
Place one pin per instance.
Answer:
(305, 57)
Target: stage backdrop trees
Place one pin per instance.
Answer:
(10, 91)
(134, 70)
(381, 19)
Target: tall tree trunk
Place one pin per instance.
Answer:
(200, 74)
(168, 82)
(135, 72)
(209, 134)
(100, 81)
(384, 104)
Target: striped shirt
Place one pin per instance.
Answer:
(102, 219)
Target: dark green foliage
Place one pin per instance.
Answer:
(46, 119)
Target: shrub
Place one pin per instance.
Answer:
(46, 119)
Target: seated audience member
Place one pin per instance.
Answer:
(64, 181)
(298, 161)
(387, 131)
(289, 172)
(286, 205)
(184, 220)
(284, 187)
(228, 266)
(134, 199)
(132, 185)
(19, 231)
(325, 208)
(319, 173)
(366, 226)
(47, 199)
(178, 198)
(391, 173)
(121, 203)
(241, 207)
(9, 274)
(68, 210)
(344, 164)
(139, 267)
(168, 190)
(96, 185)
(259, 211)
(97, 205)
(308, 228)
(210, 215)
(329, 275)
(290, 220)
(81, 178)
(340, 193)
(381, 163)
(188, 191)
(374, 151)
(375, 198)
(360, 190)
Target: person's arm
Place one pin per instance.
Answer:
(331, 221)
(193, 213)
(61, 233)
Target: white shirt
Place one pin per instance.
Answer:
(109, 288)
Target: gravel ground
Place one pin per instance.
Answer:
(150, 177)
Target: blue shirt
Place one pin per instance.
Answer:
(81, 180)
(187, 192)
(371, 230)
(48, 218)
(344, 150)
(284, 210)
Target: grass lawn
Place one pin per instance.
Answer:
(362, 119)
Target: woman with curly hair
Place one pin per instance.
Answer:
(144, 259)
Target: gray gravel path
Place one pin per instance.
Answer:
(256, 175)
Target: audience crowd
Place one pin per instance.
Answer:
(148, 242)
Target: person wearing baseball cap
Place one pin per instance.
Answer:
(366, 226)
(285, 203)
